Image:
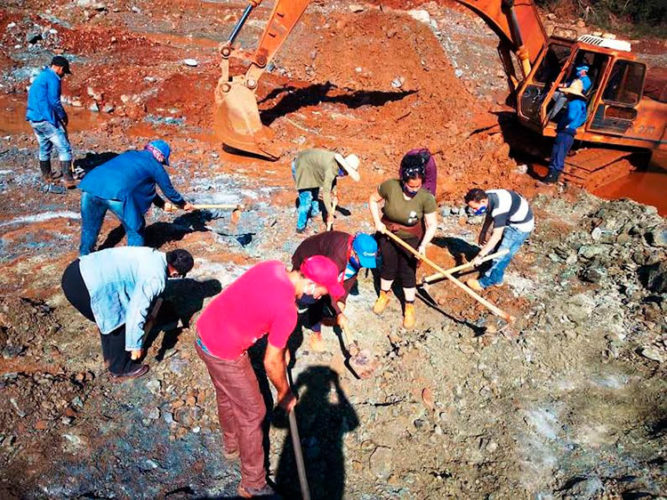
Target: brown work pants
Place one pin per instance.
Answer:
(241, 411)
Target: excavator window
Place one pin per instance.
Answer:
(552, 63)
(625, 83)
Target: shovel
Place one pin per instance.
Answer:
(298, 455)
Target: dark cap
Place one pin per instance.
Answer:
(62, 62)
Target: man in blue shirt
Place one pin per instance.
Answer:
(48, 120)
(126, 186)
(115, 288)
(560, 97)
(567, 127)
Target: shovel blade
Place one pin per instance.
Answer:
(238, 125)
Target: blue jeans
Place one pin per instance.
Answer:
(512, 241)
(309, 205)
(93, 210)
(562, 145)
(48, 136)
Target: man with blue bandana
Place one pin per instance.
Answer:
(126, 186)
(350, 254)
(560, 98)
(513, 222)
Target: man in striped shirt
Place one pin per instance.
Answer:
(512, 221)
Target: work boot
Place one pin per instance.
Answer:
(551, 177)
(68, 178)
(381, 302)
(474, 285)
(409, 317)
(265, 492)
(47, 174)
(137, 372)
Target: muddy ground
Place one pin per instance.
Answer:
(569, 403)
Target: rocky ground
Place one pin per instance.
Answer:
(568, 403)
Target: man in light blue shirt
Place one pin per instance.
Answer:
(48, 120)
(115, 288)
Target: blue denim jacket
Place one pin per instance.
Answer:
(44, 99)
(130, 177)
(122, 283)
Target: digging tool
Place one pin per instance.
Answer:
(495, 310)
(467, 265)
(298, 455)
(150, 320)
(236, 209)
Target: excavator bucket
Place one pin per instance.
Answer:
(238, 125)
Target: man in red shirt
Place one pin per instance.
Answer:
(260, 302)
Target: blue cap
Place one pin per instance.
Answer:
(367, 250)
(583, 67)
(162, 148)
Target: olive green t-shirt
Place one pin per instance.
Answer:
(407, 212)
(317, 168)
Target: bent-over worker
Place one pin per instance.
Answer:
(126, 186)
(260, 302)
(315, 172)
(350, 254)
(115, 288)
(409, 212)
(513, 222)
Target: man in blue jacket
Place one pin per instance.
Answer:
(115, 288)
(48, 120)
(566, 129)
(126, 186)
(560, 97)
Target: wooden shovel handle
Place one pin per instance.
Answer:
(219, 206)
(495, 310)
(467, 265)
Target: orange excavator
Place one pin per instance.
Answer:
(623, 117)
(626, 114)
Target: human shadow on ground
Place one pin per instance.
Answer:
(324, 416)
(183, 298)
(296, 98)
(92, 160)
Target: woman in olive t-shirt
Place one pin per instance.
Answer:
(410, 213)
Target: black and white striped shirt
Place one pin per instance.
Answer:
(508, 208)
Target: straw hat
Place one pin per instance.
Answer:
(350, 164)
(576, 89)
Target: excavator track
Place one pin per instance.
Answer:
(592, 168)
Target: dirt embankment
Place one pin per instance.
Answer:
(569, 402)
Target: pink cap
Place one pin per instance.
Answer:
(322, 271)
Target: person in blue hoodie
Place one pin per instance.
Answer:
(560, 97)
(126, 186)
(48, 120)
(567, 127)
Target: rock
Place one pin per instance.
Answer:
(420, 15)
(589, 251)
(190, 62)
(153, 413)
(587, 487)
(652, 353)
(427, 398)
(380, 462)
(32, 37)
(445, 210)
(94, 108)
(153, 385)
(657, 237)
(492, 446)
(579, 308)
(654, 276)
(356, 8)
(592, 274)
(108, 108)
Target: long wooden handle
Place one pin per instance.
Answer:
(298, 454)
(150, 320)
(467, 265)
(495, 310)
(222, 207)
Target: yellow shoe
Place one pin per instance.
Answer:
(474, 285)
(409, 318)
(381, 302)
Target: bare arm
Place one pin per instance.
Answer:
(374, 205)
(496, 236)
(485, 229)
(431, 221)
(275, 366)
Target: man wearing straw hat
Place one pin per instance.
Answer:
(315, 172)
(567, 127)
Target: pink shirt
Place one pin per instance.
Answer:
(260, 301)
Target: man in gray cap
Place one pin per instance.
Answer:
(48, 120)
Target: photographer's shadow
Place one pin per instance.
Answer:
(324, 416)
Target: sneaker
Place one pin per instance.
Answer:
(409, 318)
(139, 371)
(474, 285)
(551, 177)
(265, 491)
(381, 302)
(300, 230)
